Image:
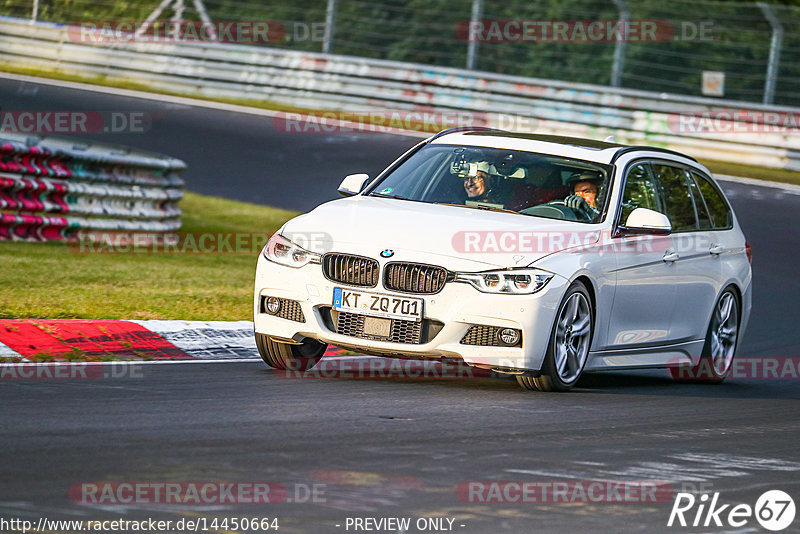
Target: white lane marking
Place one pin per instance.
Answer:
(157, 325)
(685, 467)
(207, 339)
(187, 101)
(211, 339)
(7, 352)
(746, 462)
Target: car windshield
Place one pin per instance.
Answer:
(527, 183)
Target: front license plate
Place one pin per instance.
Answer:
(377, 305)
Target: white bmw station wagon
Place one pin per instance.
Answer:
(542, 257)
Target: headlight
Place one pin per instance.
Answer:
(281, 250)
(512, 282)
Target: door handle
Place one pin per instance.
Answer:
(716, 250)
(670, 256)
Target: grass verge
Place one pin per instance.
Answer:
(134, 86)
(52, 280)
(751, 171)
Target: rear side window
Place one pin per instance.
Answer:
(703, 218)
(718, 210)
(641, 191)
(677, 197)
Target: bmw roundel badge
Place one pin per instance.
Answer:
(388, 253)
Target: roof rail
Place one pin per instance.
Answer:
(643, 148)
(463, 129)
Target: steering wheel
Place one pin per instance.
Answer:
(555, 209)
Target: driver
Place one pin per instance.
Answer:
(583, 199)
(477, 183)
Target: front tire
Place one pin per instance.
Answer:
(569, 344)
(720, 347)
(285, 356)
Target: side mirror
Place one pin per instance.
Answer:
(353, 184)
(647, 221)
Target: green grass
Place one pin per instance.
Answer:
(51, 280)
(751, 171)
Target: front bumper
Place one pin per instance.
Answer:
(458, 306)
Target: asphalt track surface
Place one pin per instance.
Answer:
(387, 448)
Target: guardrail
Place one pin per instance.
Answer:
(759, 135)
(52, 188)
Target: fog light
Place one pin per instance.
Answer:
(273, 304)
(508, 336)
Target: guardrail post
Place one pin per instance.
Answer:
(774, 52)
(619, 46)
(330, 27)
(35, 12)
(472, 44)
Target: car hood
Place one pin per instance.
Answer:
(455, 237)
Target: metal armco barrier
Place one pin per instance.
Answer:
(765, 136)
(52, 188)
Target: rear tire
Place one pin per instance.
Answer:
(286, 356)
(569, 344)
(722, 338)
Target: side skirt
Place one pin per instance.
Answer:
(685, 353)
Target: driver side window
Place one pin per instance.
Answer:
(640, 191)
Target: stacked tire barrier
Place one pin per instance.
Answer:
(50, 189)
(726, 130)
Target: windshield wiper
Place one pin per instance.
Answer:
(384, 195)
(479, 207)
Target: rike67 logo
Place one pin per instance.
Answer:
(774, 510)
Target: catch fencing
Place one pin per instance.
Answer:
(755, 45)
(52, 188)
(713, 129)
